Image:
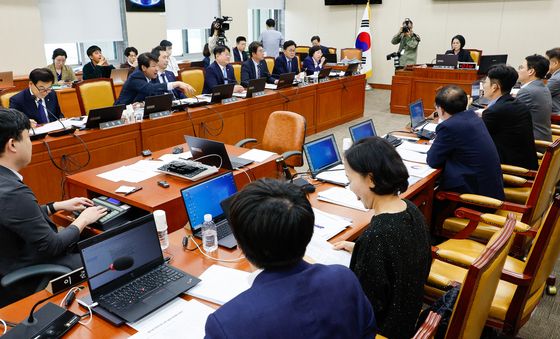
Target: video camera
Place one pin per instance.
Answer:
(222, 24)
(406, 25)
(396, 59)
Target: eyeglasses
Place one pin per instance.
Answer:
(43, 89)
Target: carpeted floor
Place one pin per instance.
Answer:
(545, 321)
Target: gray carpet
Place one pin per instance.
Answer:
(545, 321)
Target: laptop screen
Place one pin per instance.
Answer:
(139, 242)
(321, 153)
(416, 110)
(362, 130)
(475, 90)
(205, 198)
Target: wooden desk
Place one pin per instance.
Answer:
(422, 83)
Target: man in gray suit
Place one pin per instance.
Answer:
(553, 83)
(536, 95)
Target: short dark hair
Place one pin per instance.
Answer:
(156, 51)
(315, 37)
(130, 49)
(504, 76)
(452, 99)
(239, 39)
(538, 63)
(553, 53)
(273, 222)
(145, 58)
(270, 23)
(220, 49)
(314, 49)
(59, 52)
(165, 43)
(92, 49)
(377, 158)
(12, 124)
(460, 38)
(253, 47)
(41, 74)
(288, 44)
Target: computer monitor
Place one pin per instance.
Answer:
(362, 130)
(221, 92)
(446, 60)
(487, 61)
(416, 110)
(105, 114)
(321, 154)
(352, 68)
(157, 103)
(475, 89)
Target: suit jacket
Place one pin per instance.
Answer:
(309, 66)
(136, 88)
(553, 85)
(248, 72)
(464, 55)
(464, 149)
(24, 102)
(67, 73)
(510, 125)
(281, 66)
(239, 56)
(214, 77)
(305, 301)
(177, 93)
(537, 97)
(27, 234)
(90, 71)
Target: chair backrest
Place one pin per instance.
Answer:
(269, 63)
(332, 50)
(302, 49)
(351, 53)
(475, 54)
(480, 284)
(95, 93)
(237, 70)
(429, 327)
(285, 131)
(5, 97)
(195, 78)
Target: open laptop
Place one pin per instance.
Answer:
(362, 130)
(146, 285)
(206, 198)
(214, 153)
(6, 79)
(324, 73)
(330, 58)
(119, 75)
(446, 61)
(423, 127)
(157, 104)
(478, 100)
(324, 160)
(105, 114)
(487, 61)
(285, 80)
(352, 68)
(254, 86)
(221, 92)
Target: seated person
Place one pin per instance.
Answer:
(255, 67)
(463, 148)
(27, 234)
(287, 63)
(140, 84)
(62, 73)
(508, 120)
(316, 41)
(392, 257)
(131, 54)
(553, 83)
(220, 71)
(165, 76)
(206, 54)
(172, 66)
(98, 67)
(39, 101)
(273, 223)
(314, 61)
(239, 54)
(457, 44)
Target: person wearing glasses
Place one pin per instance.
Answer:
(38, 102)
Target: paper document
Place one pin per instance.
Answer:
(411, 155)
(220, 284)
(167, 158)
(328, 225)
(430, 127)
(139, 171)
(335, 175)
(257, 155)
(55, 125)
(270, 86)
(241, 95)
(412, 180)
(415, 147)
(201, 98)
(173, 319)
(417, 169)
(341, 196)
(322, 252)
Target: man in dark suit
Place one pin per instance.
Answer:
(286, 63)
(316, 41)
(239, 54)
(508, 120)
(273, 222)
(39, 101)
(553, 82)
(163, 75)
(255, 67)
(98, 67)
(140, 84)
(464, 149)
(220, 71)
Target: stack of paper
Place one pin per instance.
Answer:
(341, 196)
(139, 171)
(411, 155)
(416, 147)
(328, 225)
(167, 158)
(335, 175)
(322, 252)
(257, 155)
(417, 169)
(220, 284)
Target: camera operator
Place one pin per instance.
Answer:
(217, 34)
(408, 43)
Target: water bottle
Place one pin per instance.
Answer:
(209, 234)
(161, 226)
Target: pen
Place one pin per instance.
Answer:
(318, 226)
(134, 190)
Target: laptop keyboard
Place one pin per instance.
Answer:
(393, 140)
(134, 291)
(223, 229)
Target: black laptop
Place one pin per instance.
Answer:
(213, 153)
(221, 92)
(141, 286)
(487, 61)
(324, 73)
(157, 104)
(352, 68)
(446, 61)
(285, 80)
(254, 86)
(99, 115)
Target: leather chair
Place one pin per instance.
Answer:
(428, 328)
(270, 63)
(332, 50)
(95, 93)
(522, 281)
(237, 70)
(5, 97)
(194, 77)
(479, 280)
(475, 54)
(303, 49)
(351, 53)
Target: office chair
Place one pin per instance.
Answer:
(270, 63)
(475, 54)
(237, 70)
(5, 97)
(194, 76)
(95, 93)
(351, 53)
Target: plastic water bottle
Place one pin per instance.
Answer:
(161, 226)
(209, 234)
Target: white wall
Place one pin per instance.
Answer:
(145, 30)
(237, 9)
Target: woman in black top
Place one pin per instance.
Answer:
(457, 44)
(392, 257)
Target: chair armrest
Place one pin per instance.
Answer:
(482, 201)
(429, 326)
(490, 219)
(519, 171)
(555, 131)
(555, 126)
(515, 278)
(245, 141)
(33, 271)
(542, 143)
(512, 180)
(289, 154)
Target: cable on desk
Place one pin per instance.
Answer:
(5, 326)
(190, 119)
(210, 155)
(244, 171)
(208, 129)
(190, 237)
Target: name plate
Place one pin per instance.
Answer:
(229, 100)
(111, 124)
(158, 115)
(68, 280)
(258, 94)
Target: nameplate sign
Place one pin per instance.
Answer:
(68, 280)
(258, 94)
(229, 100)
(111, 124)
(158, 115)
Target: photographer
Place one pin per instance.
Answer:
(408, 43)
(217, 33)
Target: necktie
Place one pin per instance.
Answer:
(258, 71)
(43, 117)
(289, 65)
(225, 76)
(163, 78)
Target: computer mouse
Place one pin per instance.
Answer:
(177, 150)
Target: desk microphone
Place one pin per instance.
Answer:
(64, 131)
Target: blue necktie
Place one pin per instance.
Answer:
(258, 71)
(225, 76)
(43, 118)
(163, 78)
(289, 65)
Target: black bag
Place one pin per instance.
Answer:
(444, 307)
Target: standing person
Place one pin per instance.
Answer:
(98, 67)
(239, 54)
(131, 56)
(553, 83)
(314, 61)
(457, 44)
(62, 73)
(408, 43)
(172, 66)
(271, 39)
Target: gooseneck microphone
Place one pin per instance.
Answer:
(120, 264)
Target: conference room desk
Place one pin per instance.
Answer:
(409, 85)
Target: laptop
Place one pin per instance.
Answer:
(362, 130)
(324, 73)
(352, 68)
(423, 127)
(6, 79)
(324, 160)
(207, 198)
(157, 104)
(221, 92)
(478, 100)
(119, 75)
(142, 288)
(254, 86)
(487, 61)
(98, 115)
(213, 153)
(446, 61)
(330, 58)
(285, 80)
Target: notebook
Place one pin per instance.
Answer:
(324, 160)
(362, 130)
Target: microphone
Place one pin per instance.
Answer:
(120, 264)
(64, 131)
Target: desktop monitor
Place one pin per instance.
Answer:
(487, 61)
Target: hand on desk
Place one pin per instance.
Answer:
(186, 88)
(33, 123)
(74, 204)
(344, 245)
(238, 89)
(89, 216)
